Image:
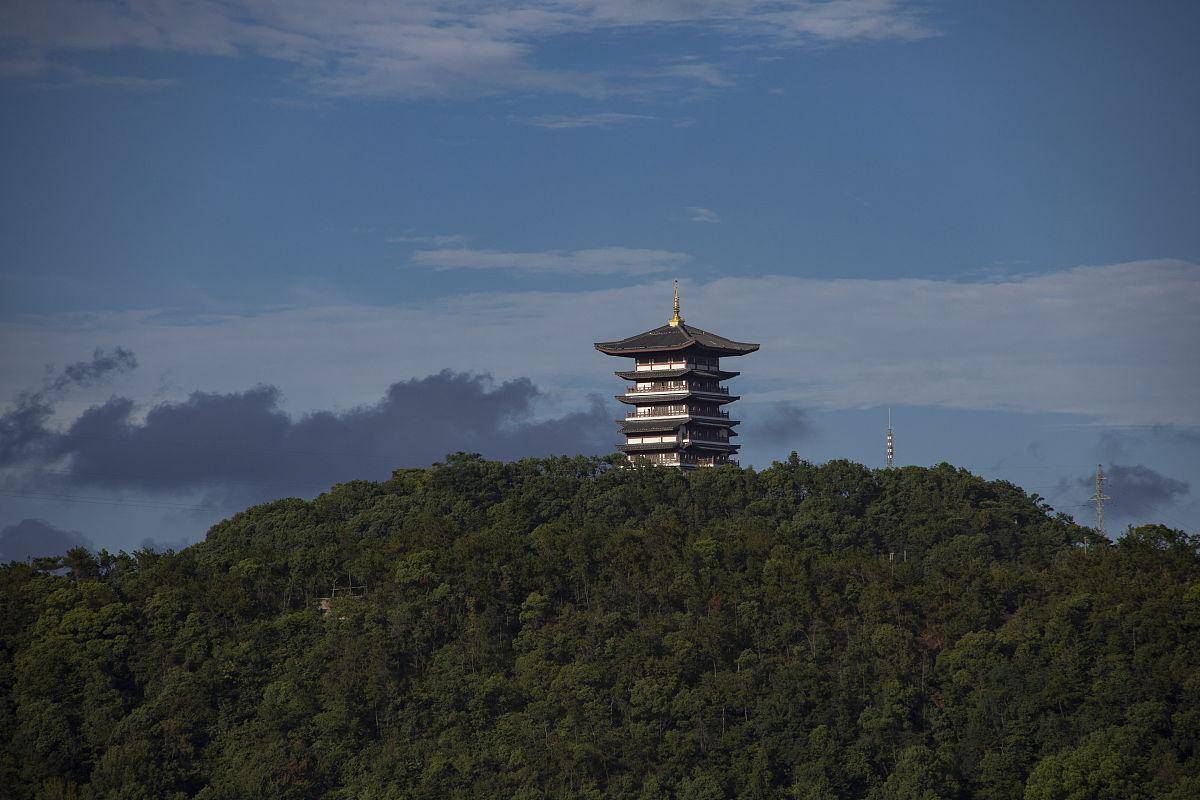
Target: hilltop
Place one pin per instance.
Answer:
(560, 628)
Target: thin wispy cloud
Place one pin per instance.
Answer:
(602, 120)
(595, 261)
(1021, 344)
(706, 75)
(422, 48)
(437, 240)
(700, 214)
(22, 66)
(77, 78)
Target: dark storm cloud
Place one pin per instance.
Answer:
(1176, 434)
(242, 446)
(99, 367)
(159, 546)
(1113, 445)
(1134, 490)
(31, 538)
(782, 424)
(23, 427)
(1138, 489)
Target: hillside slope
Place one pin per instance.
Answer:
(560, 628)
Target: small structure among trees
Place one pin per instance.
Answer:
(351, 589)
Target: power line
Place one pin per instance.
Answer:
(148, 504)
(181, 479)
(1182, 525)
(161, 442)
(998, 467)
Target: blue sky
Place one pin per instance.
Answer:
(982, 215)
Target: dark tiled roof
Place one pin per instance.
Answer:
(675, 337)
(640, 398)
(643, 448)
(694, 444)
(701, 444)
(653, 426)
(650, 426)
(663, 374)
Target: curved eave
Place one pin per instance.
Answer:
(673, 338)
(665, 447)
(701, 444)
(616, 349)
(632, 428)
(649, 398)
(628, 428)
(713, 422)
(654, 375)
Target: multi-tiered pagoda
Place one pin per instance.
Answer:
(677, 406)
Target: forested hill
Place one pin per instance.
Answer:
(560, 628)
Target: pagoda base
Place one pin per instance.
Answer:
(683, 460)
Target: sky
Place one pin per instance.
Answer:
(252, 248)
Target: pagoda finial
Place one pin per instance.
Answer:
(676, 319)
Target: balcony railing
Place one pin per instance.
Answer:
(676, 411)
(677, 386)
(666, 387)
(660, 411)
(682, 459)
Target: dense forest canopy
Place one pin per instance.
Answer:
(561, 628)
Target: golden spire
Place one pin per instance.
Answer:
(676, 319)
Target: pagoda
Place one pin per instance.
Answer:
(677, 413)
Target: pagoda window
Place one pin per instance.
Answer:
(708, 434)
(669, 439)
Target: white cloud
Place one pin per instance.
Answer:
(699, 214)
(702, 74)
(853, 20)
(1116, 343)
(421, 48)
(609, 119)
(596, 261)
